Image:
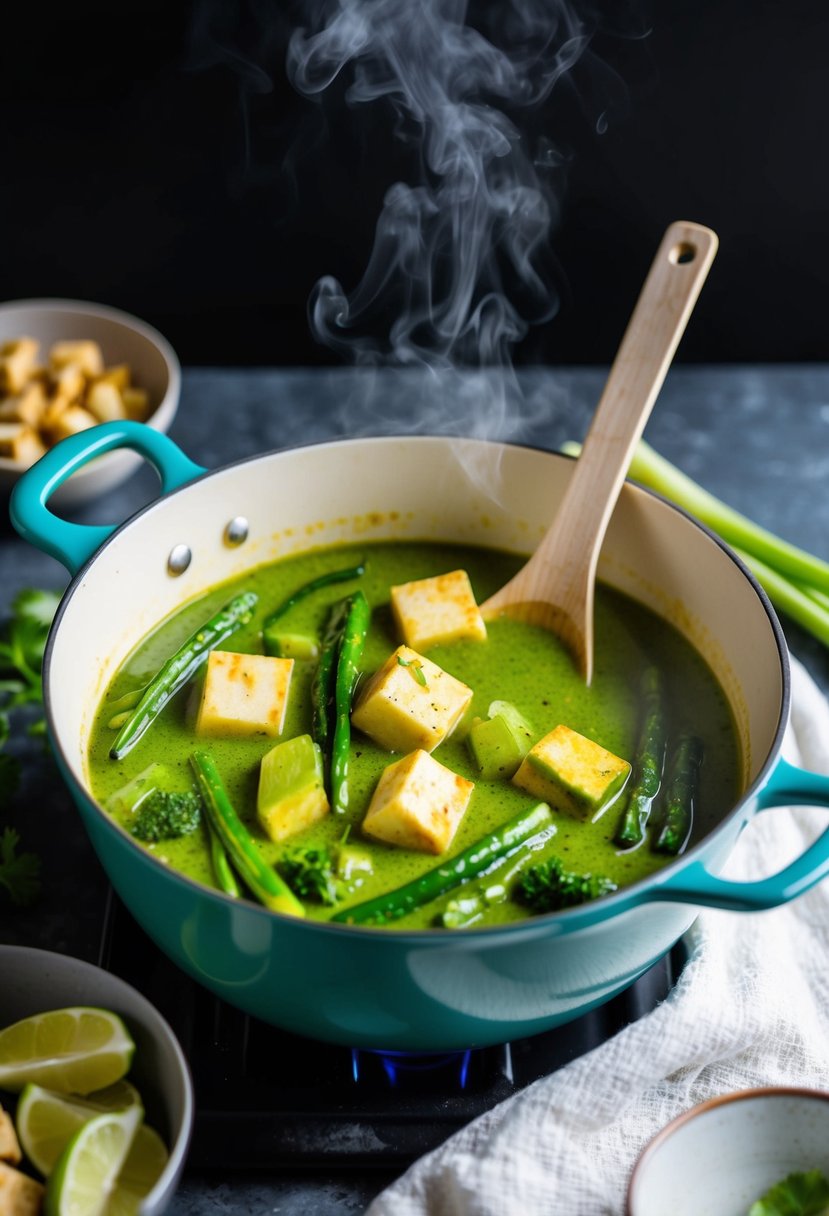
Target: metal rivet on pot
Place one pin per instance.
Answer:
(179, 559)
(236, 532)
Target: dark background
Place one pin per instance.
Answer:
(155, 157)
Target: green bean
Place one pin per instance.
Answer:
(648, 762)
(316, 584)
(471, 862)
(254, 871)
(680, 795)
(351, 646)
(180, 668)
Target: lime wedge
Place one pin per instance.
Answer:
(86, 1173)
(75, 1050)
(140, 1172)
(47, 1121)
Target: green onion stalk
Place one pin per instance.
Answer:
(796, 582)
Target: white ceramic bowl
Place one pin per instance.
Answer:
(720, 1157)
(33, 981)
(123, 339)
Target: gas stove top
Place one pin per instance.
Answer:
(266, 1097)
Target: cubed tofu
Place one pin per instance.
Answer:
(410, 702)
(20, 443)
(82, 353)
(291, 794)
(418, 804)
(9, 1144)
(572, 773)
(19, 1194)
(104, 402)
(29, 405)
(118, 376)
(66, 386)
(17, 362)
(136, 403)
(67, 422)
(434, 610)
(244, 694)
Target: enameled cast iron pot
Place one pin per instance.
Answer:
(370, 987)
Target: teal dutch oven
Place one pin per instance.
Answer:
(369, 987)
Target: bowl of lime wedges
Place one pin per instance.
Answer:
(95, 1093)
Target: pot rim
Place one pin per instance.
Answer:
(570, 919)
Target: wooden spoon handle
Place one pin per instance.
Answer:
(561, 572)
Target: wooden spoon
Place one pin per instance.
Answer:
(555, 587)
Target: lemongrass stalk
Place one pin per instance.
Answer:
(657, 473)
(801, 605)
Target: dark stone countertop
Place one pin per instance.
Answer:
(756, 436)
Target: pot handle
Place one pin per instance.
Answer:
(73, 544)
(788, 786)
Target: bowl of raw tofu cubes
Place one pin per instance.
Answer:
(67, 365)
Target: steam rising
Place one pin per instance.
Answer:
(456, 273)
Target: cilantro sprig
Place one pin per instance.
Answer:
(22, 643)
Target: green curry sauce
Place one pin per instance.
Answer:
(520, 663)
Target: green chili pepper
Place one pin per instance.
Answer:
(322, 687)
(254, 871)
(351, 646)
(316, 584)
(180, 668)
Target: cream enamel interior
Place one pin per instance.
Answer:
(464, 491)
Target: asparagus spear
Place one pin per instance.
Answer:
(680, 795)
(261, 878)
(648, 762)
(180, 667)
(468, 864)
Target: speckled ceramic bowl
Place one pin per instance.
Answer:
(33, 981)
(720, 1157)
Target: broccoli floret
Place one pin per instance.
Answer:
(547, 886)
(163, 815)
(310, 873)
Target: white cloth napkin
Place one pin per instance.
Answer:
(751, 1008)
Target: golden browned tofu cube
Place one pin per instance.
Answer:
(104, 402)
(66, 386)
(67, 422)
(118, 376)
(244, 694)
(418, 804)
(29, 405)
(9, 1144)
(136, 403)
(572, 773)
(20, 443)
(410, 702)
(82, 353)
(434, 610)
(19, 1194)
(17, 362)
